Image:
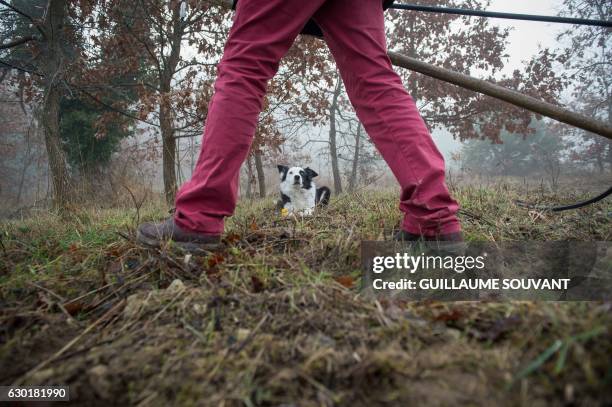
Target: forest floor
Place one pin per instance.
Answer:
(275, 317)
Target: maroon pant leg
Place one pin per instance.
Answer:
(355, 34)
(261, 35)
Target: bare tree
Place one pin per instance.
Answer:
(155, 31)
(333, 148)
(45, 34)
(355, 164)
(261, 178)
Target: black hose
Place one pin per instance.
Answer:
(566, 207)
(494, 14)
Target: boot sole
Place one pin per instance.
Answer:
(187, 246)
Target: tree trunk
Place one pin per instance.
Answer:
(169, 151)
(333, 150)
(609, 97)
(249, 168)
(261, 178)
(353, 180)
(52, 68)
(166, 117)
(599, 161)
(26, 163)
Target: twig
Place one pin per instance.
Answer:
(84, 349)
(194, 331)
(58, 297)
(17, 42)
(251, 335)
(476, 217)
(148, 399)
(137, 204)
(80, 297)
(318, 385)
(103, 300)
(123, 235)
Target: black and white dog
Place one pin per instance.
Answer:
(299, 193)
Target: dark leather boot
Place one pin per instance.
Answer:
(156, 234)
(450, 243)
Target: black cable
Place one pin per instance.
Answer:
(566, 207)
(494, 14)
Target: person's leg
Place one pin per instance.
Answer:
(262, 33)
(355, 34)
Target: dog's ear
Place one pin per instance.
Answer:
(282, 168)
(311, 173)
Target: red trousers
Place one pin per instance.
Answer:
(262, 33)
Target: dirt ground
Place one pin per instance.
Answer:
(276, 318)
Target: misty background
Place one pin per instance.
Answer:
(136, 165)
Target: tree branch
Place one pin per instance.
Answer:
(11, 66)
(17, 42)
(27, 16)
(114, 109)
(508, 95)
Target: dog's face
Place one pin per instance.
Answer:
(296, 177)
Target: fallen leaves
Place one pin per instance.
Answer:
(214, 260)
(74, 308)
(345, 281)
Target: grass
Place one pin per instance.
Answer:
(276, 317)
